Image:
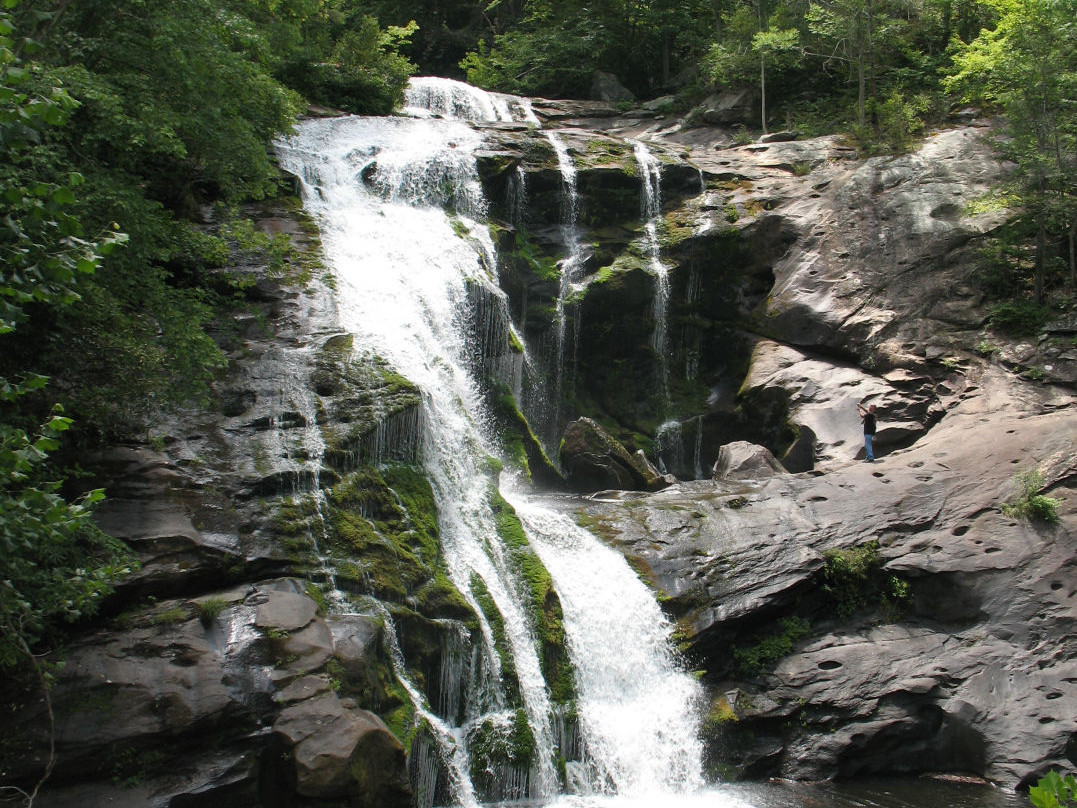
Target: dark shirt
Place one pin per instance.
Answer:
(869, 424)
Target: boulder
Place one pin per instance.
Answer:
(743, 460)
(727, 108)
(593, 460)
(337, 751)
(606, 87)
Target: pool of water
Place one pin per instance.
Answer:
(887, 793)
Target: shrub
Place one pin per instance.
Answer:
(210, 608)
(1018, 317)
(853, 580)
(1054, 791)
(1029, 503)
(751, 661)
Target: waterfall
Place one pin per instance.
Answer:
(295, 438)
(651, 211)
(680, 448)
(571, 266)
(400, 207)
(636, 707)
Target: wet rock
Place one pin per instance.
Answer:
(963, 677)
(592, 461)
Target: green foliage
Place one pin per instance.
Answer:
(1026, 65)
(753, 660)
(1029, 503)
(364, 73)
(210, 609)
(853, 580)
(55, 565)
(1054, 791)
(1018, 317)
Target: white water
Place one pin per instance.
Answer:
(571, 267)
(638, 710)
(379, 188)
(651, 211)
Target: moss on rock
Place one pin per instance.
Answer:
(384, 537)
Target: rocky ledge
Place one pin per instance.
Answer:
(949, 650)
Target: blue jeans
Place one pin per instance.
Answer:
(868, 454)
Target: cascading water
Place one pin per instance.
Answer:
(571, 266)
(651, 211)
(375, 184)
(636, 707)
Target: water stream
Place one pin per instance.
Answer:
(571, 266)
(651, 211)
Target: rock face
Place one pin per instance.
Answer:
(968, 671)
(213, 674)
(924, 625)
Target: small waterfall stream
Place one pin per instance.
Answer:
(374, 184)
(651, 211)
(571, 266)
(637, 709)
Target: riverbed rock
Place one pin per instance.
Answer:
(740, 460)
(337, 752)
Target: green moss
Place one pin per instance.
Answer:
(401, 722)
(384, 538)
(753, 660)
(543, 267)
(509, 678)
(459, 227)
(495, 745)
(720, 715)
(602, 152)
(171, 616)
(543, 605)
(603, 527)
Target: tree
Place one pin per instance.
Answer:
(1027, 66)
(55, 565)
(775, 45)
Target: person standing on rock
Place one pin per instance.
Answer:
(868, 417)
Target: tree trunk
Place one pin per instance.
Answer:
(763, 89)
(860, 71)
(665, 60)
(1041, 261)
(1073, 252)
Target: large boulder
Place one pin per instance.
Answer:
(593, 460)
(607, 87)
(727, 108)
(743, 460)
(336, 751)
